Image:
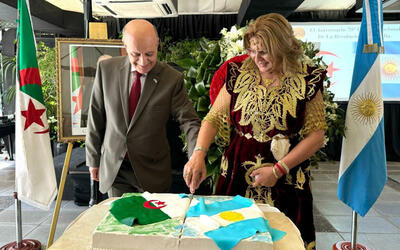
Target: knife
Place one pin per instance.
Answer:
(184, 218)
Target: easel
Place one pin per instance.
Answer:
(60, 194)
(98, 31)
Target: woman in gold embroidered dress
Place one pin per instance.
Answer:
(270, 116)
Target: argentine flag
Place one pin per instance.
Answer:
(228, 222)
(362, 173)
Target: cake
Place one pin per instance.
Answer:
(212, 222)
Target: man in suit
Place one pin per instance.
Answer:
(126, 144)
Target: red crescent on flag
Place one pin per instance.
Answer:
(42, 132)
(154, 204)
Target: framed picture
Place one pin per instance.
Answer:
(76, 69)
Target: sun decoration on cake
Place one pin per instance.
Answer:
(366, 108)
(231, 216)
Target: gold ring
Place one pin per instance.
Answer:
(184, 174)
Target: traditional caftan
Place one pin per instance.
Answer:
(247, 115)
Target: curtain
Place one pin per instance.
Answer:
(190, 26)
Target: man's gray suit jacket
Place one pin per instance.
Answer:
(110, 133)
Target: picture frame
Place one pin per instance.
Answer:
(77, 60)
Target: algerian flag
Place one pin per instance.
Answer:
(228, 222)
(35, 178)
(76, 90)
(148, 208)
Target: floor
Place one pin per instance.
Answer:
(379, 229)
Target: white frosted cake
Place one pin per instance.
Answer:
(212, 222)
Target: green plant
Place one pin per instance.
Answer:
(198, 78)
(199, 59)
(9, 67)
(180, 52)
(47, 67)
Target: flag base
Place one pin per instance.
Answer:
(346, 245)
(27, 244)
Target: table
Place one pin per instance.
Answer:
(78, 234)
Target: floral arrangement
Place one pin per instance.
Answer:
(231, 42)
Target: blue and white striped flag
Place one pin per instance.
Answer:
(362, 173)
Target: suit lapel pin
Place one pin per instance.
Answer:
(155, 80)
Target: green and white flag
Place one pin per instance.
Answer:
(76, 90)
(35, 177)
(148, 208)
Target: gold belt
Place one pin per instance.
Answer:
(259, 138)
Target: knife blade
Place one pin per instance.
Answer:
(184, 218)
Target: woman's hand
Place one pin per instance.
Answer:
(195, 171)
(264, 177)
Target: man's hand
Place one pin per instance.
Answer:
(195, 171)
(94, 173)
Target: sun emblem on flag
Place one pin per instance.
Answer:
(366, 108)
(390, 69)
(231, 216)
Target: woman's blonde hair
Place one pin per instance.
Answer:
(275, 34)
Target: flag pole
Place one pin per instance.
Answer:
(26, 244)
(351, 245)
(354, 231)
(18, 221)
(59, 195)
